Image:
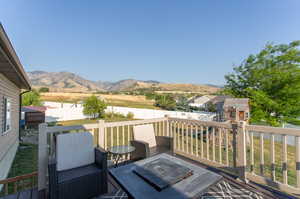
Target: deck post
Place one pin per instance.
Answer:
(43, 160)
(101, 136)
(167, 127)
(241, 151)
(234, 144)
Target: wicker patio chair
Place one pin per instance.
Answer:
(79, 170)
(147, 144)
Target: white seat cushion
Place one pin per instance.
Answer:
(74, 150)
(145, 133)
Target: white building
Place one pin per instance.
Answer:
(200, 101)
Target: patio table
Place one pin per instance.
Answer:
(118, 151)
(161, 182)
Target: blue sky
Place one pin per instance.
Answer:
(166, 40)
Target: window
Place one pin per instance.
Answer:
(7, 115)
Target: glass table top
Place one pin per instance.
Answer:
(122, 149)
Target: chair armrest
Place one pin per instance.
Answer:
(53, 179)
(142, 149)
(163, 141)
(101, 158)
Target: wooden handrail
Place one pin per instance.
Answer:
(274, 130)
(18, 178)
(203, 123)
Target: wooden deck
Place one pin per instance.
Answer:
(230, 187)
(26, 194)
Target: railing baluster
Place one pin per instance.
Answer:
(197, 149)
(272, 151)
(202, 148)
(220, 145)
(118, 136)
(213, 144)
(173, 133)
(227, 146)
(105, 138)
(251, 153)
(123, 134)
(298, 161)
(163, 128)
(182, 137)
(207, 143)
(177, 135)
(284, 159)
(191, 139)
(111, 136)
(186, 138)
(128, 134)
(6, 188)
(262, 160)
(16, 187)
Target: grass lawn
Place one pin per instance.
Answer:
(131, 101)
(26, 160)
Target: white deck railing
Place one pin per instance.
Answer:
(236, 148)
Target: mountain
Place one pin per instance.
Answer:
(62, 81)
(70, 82)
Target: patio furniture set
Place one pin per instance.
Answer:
(79, 171)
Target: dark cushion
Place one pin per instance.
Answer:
(71, 174)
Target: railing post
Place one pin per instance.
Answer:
(234, 144)
(43, 160)
(101, 136)
(167, 126)
(241, 151)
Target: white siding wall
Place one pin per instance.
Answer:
(8, 141)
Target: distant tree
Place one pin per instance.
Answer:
(271, 79)
(94, 107)
(31, 98)
(166, 102)
(183, 104)
(44, 90)
(210, 107)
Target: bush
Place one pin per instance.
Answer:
(43, 90)
(111, 115)
(130, 115)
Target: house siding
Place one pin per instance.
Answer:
(10, 140)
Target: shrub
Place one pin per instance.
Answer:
(44, 90)
(130, 115)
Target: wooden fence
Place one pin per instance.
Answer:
(236, 148)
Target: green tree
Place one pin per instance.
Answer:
(183, 104)
(210, 107)
(31, 98)
(165, 102)
(44, 90)
(94, 107)
(271, 79)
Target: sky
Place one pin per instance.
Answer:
(176, 41)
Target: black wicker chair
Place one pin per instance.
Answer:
(148, 144)
(82, 182)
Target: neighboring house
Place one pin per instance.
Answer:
(200, 101)
(12, 80)
(236, 109)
